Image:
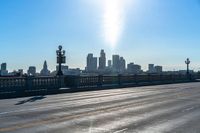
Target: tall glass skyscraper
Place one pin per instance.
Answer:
(102, 60)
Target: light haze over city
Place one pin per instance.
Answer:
(143, 32)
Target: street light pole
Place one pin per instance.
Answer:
(187, 62)
(60, 59)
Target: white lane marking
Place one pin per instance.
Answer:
(119, 131)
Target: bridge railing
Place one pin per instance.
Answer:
(42, 83)
(124, 80)
(11, 85)
(25, 86)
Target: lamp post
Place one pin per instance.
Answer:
(60, 59)
(187, 62)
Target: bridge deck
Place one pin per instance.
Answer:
(163, 108)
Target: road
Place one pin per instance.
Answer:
(150, 109)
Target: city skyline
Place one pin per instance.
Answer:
(95, 65)
(160, 32)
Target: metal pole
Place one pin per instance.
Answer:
(187, 62)
(60, 59)
(59, 69)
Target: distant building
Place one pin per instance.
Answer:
(72, 72)
(67, 71)
(91, 63)
(4, 71)
(63, 68)
(116, 63)
(45, 71)
(185, 71)
(17, 73)
(21, 72)
(102, 60)
(151, 68)
(122, 64)
(31, 71)
(155, 69)
(158, 69)
(109, 64)
(134, 68)
(3, 66)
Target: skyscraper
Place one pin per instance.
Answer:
(4, 70)
(116, 63)
(122, 64)
(91, 63)
(45, 71)
(3, 66)
(102, 60)
(151, 68)
(109, 64)
(94, 63)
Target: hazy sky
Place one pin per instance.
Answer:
(164, 32)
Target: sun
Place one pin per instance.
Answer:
(113, 20)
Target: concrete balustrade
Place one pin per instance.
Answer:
(26, 86)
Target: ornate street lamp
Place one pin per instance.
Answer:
(187, 62)
(60, 59)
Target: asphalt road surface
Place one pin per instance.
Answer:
(171, 108)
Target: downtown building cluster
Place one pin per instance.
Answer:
(98, 65)
(115, 66)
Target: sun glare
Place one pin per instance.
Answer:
(113, 20)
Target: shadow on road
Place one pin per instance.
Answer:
(32, 99)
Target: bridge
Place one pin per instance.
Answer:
(157, 108)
